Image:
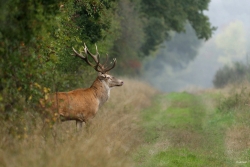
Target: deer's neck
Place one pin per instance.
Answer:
(101, 91)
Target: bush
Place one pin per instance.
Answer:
(236, 73)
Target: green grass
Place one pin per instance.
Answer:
(173, 111)
(182, 129)
(183, 157)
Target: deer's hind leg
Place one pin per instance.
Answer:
(78, 125)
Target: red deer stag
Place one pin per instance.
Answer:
(82, 105)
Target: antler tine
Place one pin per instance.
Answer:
(98, 67)
(96, 49)
(95, 57)
(78, 54)
(84, 58)
(108, 69)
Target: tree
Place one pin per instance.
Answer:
(24, 29)
(164, 16)
(127, 45)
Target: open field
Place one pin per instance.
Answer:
(139, 126)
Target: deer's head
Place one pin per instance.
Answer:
(102, 69)
(110, 80)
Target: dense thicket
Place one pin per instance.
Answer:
(37, 36)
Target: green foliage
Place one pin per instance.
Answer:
(82, 22)
(163, 16)
(127, 45)
(233, 74)
(91, 20)
(25, 28)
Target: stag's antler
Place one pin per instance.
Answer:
(98, 67)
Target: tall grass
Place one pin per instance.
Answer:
(113, 135)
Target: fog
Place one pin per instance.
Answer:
(230, 42)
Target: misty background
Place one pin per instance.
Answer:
(191, 63)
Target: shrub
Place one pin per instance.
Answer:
(235, 73)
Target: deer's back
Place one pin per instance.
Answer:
(79, 104)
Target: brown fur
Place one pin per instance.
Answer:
(81, 105)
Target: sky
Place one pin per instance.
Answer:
(230, 42)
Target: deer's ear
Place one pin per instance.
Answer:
(101, 75)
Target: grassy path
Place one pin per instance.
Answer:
(184, 129)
